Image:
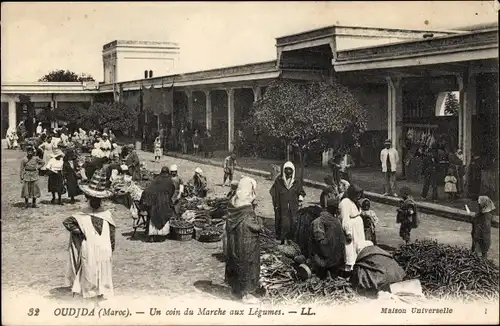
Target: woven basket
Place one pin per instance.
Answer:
(210, 238)
(182, 233)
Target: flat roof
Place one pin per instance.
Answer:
(149, 44)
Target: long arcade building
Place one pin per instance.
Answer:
(400, 77)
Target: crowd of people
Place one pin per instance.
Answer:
(346, 225)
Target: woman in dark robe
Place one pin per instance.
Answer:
(243, 228)
(474, 177)
(157, 200)
(133, 163)
(481, 226)
(70, 173)
(327, 242)
(200, 183)
(287, 194)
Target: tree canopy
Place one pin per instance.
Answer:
(115, 116)
(307, 114)
(65, 76)
(451, 104)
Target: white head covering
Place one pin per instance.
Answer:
(289, 182)
(123, 167)
(104, 134)
(114, 174)
(344, 184)
(173, 168)
(39, 123)
(245, 193)
(198, 170)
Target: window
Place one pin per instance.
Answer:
(151, 74)
(145, 74)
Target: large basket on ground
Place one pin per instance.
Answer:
(181, 230)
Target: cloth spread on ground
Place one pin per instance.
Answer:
(243, 249)
(375, 269)
(157, 197)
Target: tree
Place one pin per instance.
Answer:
(306, 115)
(65, 76)
(115, 116)
(451, 105)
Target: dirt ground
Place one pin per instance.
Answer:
(34, 241)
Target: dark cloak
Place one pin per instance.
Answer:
(134, 166)
(286, 206)
(157, 197)
(243, 250)
(328, 241)
(375, 269)
(71, 178)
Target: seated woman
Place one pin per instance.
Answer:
(199, 182)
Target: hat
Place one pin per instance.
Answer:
(97, 186)
(124, 167)
(104, 134)
(39, 123)
(332, 202)
(388, 141)
(57, 152)
(173, 168)
(198, 170)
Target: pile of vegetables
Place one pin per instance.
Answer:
(449, 272)
(180, 224)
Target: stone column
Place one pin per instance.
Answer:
(208, 110)
(230, 118)
(257, 93)
(467, 88)
(12, 112)
(189, 94)
(395, 118)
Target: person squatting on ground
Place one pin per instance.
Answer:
(407, 214)
(157, 200)
(287, 195)
(199, 182)
(158, 149)
(179, 189)
(29, 177)
(328, 242)
(229, 166)
(370, 220)
(450, 184)
(481, 226)
(56, 179)
(243, 228)
(92, 242)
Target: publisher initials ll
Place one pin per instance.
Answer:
(307, 312)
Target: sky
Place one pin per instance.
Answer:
(40, 37)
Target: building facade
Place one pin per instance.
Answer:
(401, 77)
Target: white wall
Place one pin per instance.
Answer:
(352, 42)
(132, 66)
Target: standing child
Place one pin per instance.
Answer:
(56, 179)
(229, 166)
(481, 226)
(29, 176)
(407, 215)
(196, 142)
(370, 220)
(158, 149)
(450, 184)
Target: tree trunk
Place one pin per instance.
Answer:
(301, 163)
(288, 151)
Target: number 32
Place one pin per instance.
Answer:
(33, 312)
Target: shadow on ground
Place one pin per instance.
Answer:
(217, 290)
